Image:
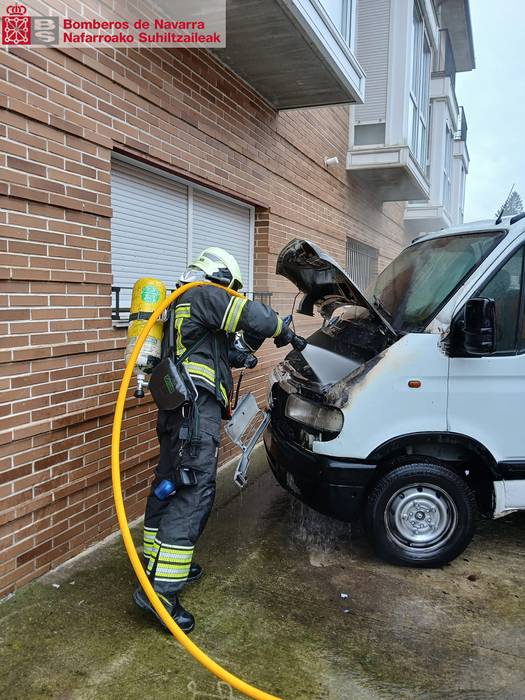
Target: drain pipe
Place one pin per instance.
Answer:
(237, 683)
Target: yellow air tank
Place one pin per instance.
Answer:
(148, 293)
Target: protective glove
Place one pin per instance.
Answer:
(287, 336)
(239, 359)
(299, 343)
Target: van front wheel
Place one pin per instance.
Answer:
(421, 514)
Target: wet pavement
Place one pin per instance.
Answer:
(271, 610)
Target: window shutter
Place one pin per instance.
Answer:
(159, 223)
(217, 222)
(148, 229)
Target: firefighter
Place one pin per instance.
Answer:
(173, 525)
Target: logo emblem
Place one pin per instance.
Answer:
(16, 26)
(150, 294)
(168, 382)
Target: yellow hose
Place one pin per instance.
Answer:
(180, 636)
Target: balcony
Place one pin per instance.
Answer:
(443, 83)
(387, 138)
(291, 53)
(461, 133)
(447, 121)
(391, 171)
(454, 15)
(460, 168)
(445, 63)
(422, 217)
(449, 163)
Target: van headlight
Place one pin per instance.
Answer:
(327, 419)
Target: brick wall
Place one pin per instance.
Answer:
(63, 113)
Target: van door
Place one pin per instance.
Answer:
(487, 394)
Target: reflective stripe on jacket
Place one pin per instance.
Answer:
(208, 308)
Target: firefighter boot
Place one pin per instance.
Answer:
(195, 574)
(182, 617)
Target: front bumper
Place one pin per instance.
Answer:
(335, 487)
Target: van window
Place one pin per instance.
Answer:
(505, 288)
(416, 284)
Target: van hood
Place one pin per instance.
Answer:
(324, 283)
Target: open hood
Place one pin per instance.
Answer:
(323, 282)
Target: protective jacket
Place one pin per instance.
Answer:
(211, 310)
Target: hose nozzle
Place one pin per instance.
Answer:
(298, 343)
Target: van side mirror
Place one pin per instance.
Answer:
(479, 326)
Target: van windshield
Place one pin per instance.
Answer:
(416, 284)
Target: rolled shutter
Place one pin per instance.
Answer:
(218, 222)
(155, 217)
(149, 229)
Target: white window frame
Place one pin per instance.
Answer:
(461, 195)
(347, 22)
(447, 168)
(419, 89)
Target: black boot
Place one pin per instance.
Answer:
(183, 618)
(195, 574)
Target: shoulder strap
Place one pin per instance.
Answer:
(216, 368)
(170, 351)
(194, 347)
(171, 332)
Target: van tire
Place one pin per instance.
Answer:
(421, 514)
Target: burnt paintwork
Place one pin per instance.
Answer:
(335, 353)
(336, 361)
(347, 342)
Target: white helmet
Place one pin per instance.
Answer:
(216, 265)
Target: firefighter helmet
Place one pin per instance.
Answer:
(216, 265)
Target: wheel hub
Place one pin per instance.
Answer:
(420, 515)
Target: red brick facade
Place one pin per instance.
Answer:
(63, 114)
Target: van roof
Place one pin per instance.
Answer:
(487, 225)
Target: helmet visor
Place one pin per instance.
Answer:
(192, 274)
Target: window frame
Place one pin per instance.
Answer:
(520, 322)
(346, 25)
(448, 161)
(461, 194)
(419, 88)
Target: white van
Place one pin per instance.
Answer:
(407, 406)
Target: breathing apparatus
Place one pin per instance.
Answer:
(170, 385)
(144, 581)
(143, 352)
(147, 294)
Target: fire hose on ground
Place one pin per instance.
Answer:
(180, 636)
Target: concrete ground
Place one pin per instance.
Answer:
(270, 610)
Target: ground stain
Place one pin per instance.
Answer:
(270, 610)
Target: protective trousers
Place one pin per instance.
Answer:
(173, 526)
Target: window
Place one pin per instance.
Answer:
(161, 222)
(340, 12)
(419, 281)
(447, 169)
(461, 195)
(419, 100)
(361, 262)
(505, 288)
